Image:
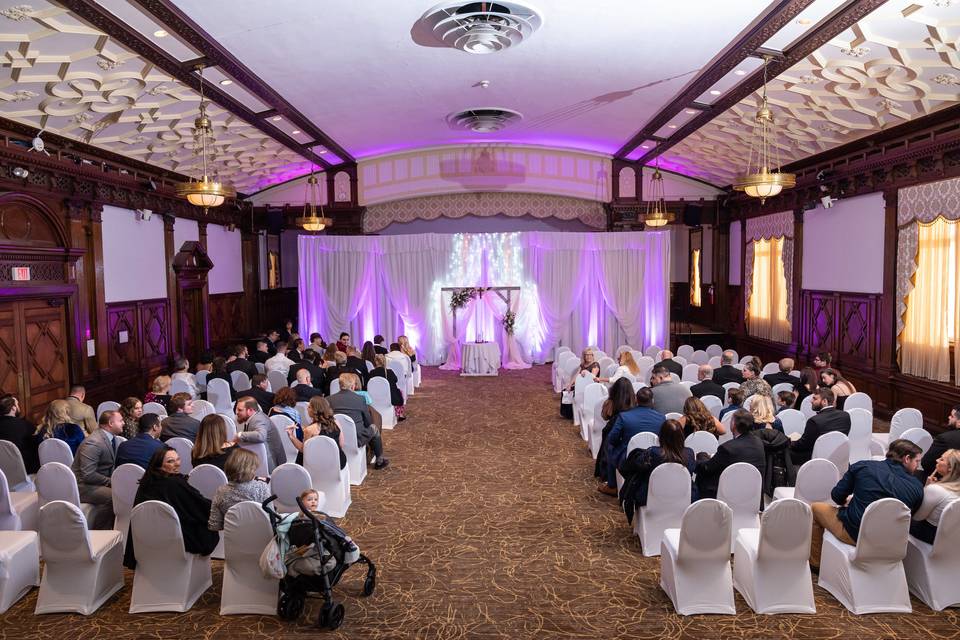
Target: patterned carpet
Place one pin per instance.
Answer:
(487, 525)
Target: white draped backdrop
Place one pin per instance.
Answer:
(576, 289)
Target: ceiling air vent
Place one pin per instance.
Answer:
(484, 119)
(482, 27)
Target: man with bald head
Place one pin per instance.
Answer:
(706, 386)
(726, 372)
(672, 365)
(783, 375)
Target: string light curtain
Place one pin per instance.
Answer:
(769, 276)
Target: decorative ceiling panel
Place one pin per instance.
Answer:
(900, 63)
(60, 75)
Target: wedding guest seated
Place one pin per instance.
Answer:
(285, 404)
(350, 404)
(706, 386)
(212, 446)
(159, 391)
(179, 423)
(407, 349)
(743, 448)
(396, 396)
(93, 465)
(138, 449)
(667, 361)
(332, 373)
(57, 423)
(242, 485)
(131, 409)
(753, 383)
(355, 363)
(822, 361)
(279, 362)
(726, 372)
(809, 381)
(258, 391)
(628, 367)
(761, 408)
(864, 483)
(254, 426)
(643, 417)
(288, 331)
(329, 358)
(316, 343)
(240, 361)
(343, 342)
(668, 396)
(621, 398)
(735, 401)
(304, 389)
(368, 353)
(838, 384)
(696, 417)
(181, 371)
(947, 439)
(828, 418)
(219, 372)
(783, 375)
(638, 466)
(204, 361)
(308, 362)
(163, 481)
(322, 423)
(13, 428)
(589, 367)
(942, 488)
(295, 350)
(272, 338)
(378, 341)
(786, 400)
(262, 352)
(80, 412)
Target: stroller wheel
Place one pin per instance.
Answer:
(290, 606)
(369, 585)
(331, 615)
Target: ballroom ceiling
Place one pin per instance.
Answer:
(375, 78)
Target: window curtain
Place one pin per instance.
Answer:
(769, 294)
(695, 279)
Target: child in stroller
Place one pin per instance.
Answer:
(316, 553)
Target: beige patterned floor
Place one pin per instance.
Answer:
(487, 525)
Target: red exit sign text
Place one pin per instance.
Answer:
(21, 274)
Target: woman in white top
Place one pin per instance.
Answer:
(943, 487)
(628, 367)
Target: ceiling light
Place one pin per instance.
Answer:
(644, 146)
(226, 82)
(482, 27)
(739, 72)
(656, 214)
(322, 151)
(483, 119)
(276, 118)
(295, 132)
(690, 112)
(310, 220)
(714, 92)
(160, 33)
(671, 126)
(804, 21)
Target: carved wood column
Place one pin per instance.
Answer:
(202, 230)
(721, 276)
(99, 311)
(170, 250)
(796, 321)
(742, 314)
(886, 334)
(251, 280)
(79, 308)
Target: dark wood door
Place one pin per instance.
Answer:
(33, 353)
(191, 321)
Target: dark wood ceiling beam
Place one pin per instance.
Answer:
(180, 23)
(775, 18)
(830, 27)
(102, 19)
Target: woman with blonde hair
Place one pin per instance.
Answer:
(57, 423)
(323, 424)
(242, 485)
(696, 417)
(628, 367)
(761, 408)
(159, 391)
(942, 488)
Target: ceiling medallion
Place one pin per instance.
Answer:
(483, 119)
(204, 192)
(482, 27)
(656, 214)
(759, 181)
(310, 221)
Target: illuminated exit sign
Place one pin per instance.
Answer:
(21, 274)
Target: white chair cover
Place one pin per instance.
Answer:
(206, 479)
(714, 351)
(109, 405)
(795, 374)
(858, 400)
(746, 359)
(184, 449)
(303, 410)
(241, 381)
(687, 383)
(288, 481)
(770, 567)
(652, 351)
(19, 565)
(668, 496)
(201, 378)
(673, 415)
(277, 380)
(81, 569)
(155, 407)
(334, 387)
(356, 456)
(123, 489)
(683, 361)
(702, 442)
(371, 366)
(815, 479)
(261, 368)
(55, 481)
(699, 357)
(690, 372)
(806, 407)
(920, 437)
(593, 394)
(569, 370)
(259, 448)
(202, 409)
(321, 458)
(280, 423)
(179, 385)
(643, 440)
(695, 560)
(741, 489)
(770, 367)
(834, 447)
(932, 569)
(684, 351)
(11, 463)
(379, 390)
(231, 425)
(714, 361)
(596, 429)
(18, 509)
(579, 389)
(748, 402)
(869, 578)
(713, 405)
(792, 420)
(861, 428)
(728, 386)
(218, 393)
(396, 365)
(901, 421)
(55, 450)
(246, 531)
(167, 577)
(777, 388)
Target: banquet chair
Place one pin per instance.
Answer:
(795, 374)
(643, 440)
(728, 386)
(858, 400)
(277, 380)
(683, 361)
(770, 564)
(777, 388)
(725, 421)
(259, 448)
(741, 489)
(770, 367)
(687, 383)
(55, 481)
(834, 447)
(714, 362)
(334, 387)
(806, 407)
(594, 393)
(920, 437)
(902, 420)
(560, 366)
(19, 566)
(579, 388)
(932, 569)
(231, 425)
(155, 407)
(702, 442)
(18, 509)
(356, 456)
(321, 458)
(713, 405)
(869, 577)
(288, 481)
(596, 429)
(240, 380)
(695, 560)
(123, 490)
(246, 532)
(673, 415)
(714, 351)
(109, 405)
(684, 351)
(81, 569)
(606, 361)
(201, 378)
(180, 386)
(745, 359)
(184, 449)
(206, 479)
(55, 450)
(11, 463)
(303, 410)
(569, 370)
(202, 409)
(218, 393)
(675, 378)
(379, 390)
(280, 423)
(690, 372)
(668, 496)
(261, 368)
(653, 351)
(408, 370)
(792, 420)
(397, 367)
(699, 357)
(167, 578)
(607, 371)
(861, 427)
(815, 480)
(748, 402)
(370, 366)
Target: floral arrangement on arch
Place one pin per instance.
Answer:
(508, 319)
(461, 297)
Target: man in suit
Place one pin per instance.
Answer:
(262, 354)
(356, 364)
(254, 426)
(309, 362)
(333, 373)
(668, 396)
(828, 418)
(15, 429)
(672, 365)
(783, 376)
(258, 391)
(93, 465)
(138, 449)
(378, 345)
(239, 361)
(295, 350)
(743, 448)
(179, 424)
(348, 403)
(706, 386)
(273, 336)
(305, 389)
(949, 439)
(80, 412)
(726, 372)
(627, 424)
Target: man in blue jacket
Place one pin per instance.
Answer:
(629, 423)
(139, 449)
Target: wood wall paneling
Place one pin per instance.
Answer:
(228, 317)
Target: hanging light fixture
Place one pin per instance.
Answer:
(657, 214)
(759, 181)
(310, 221)
(205, 192)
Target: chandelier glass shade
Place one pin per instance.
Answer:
(656, 214)
(310, 220)
(204, 192)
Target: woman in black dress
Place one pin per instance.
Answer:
(323, 424)
(212, 445)
(396, 396)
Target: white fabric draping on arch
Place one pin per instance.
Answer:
(576, 289)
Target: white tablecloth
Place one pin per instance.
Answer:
(480, 359)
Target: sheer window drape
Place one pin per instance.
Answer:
(767, 307)
(695, 279)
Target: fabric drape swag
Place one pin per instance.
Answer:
(695, 284)
(769, 276)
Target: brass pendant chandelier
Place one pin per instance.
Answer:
(760, 181)
(657, 214)
(204, 192)
(309, 220)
